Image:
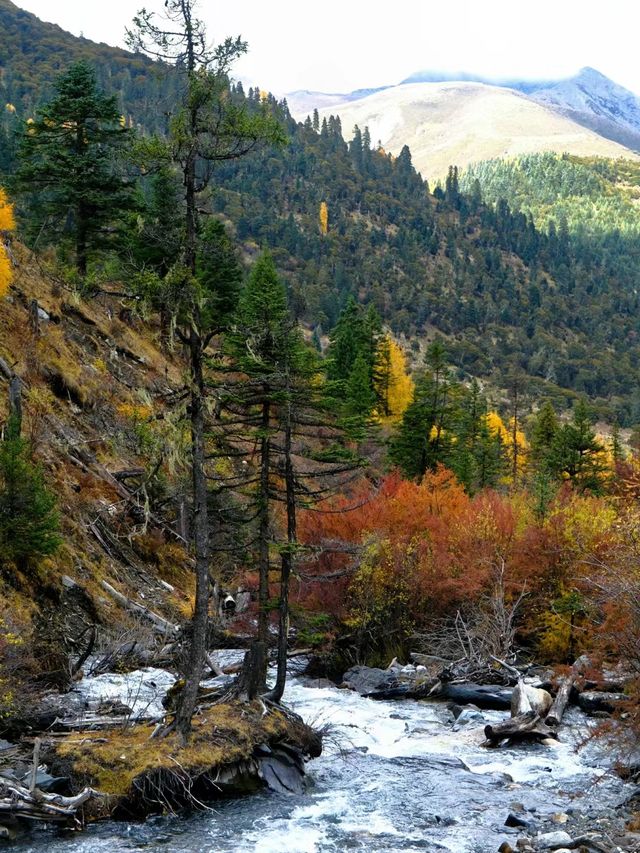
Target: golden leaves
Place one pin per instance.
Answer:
(324, 218)
(7, 223)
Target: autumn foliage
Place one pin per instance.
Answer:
(400, 558)
(7, 223)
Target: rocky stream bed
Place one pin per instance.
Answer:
(394, 776)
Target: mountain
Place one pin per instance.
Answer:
(595, 101)
(463, 122)
(500, 291)
(303, 102)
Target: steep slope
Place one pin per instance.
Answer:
(94, 384)
(596, 102)
(459, 123)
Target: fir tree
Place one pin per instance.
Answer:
(68, 165)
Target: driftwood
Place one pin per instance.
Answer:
(161, 625)
(554, 717)
(527, 698)
(524, 727)
(16, 801)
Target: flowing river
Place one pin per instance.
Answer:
(394, 776)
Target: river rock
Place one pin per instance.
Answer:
(553, 840)
(592, 701)
(282, 769)
(469, 715)
(367, 679)
(520, 822)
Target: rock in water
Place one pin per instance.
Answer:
(366, 679)
(282, 771)
(592, 702)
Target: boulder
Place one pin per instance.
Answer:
(469, 715)
(592, 701)
(366, 679)
(553, 840)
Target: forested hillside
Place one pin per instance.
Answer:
(33, 53)
(504, 293)
(270, 404)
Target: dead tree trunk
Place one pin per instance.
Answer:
(287, 562)
(554, 717)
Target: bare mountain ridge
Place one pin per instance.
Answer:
(476, 118)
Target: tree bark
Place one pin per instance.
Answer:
(287, 563)
(263, 534)
(198, 641)
(554, 717)
(527, 726)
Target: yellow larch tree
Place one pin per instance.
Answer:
(392, 383)
(497, 427)
(7, 219)
(324, 218)
(7, 223)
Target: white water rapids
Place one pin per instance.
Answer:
(394, 776)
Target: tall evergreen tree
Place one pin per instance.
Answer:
(210, 126)
(577, 455)
(68, 165)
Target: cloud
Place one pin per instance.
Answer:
(339, 46)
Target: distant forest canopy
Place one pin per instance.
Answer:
(507, 288)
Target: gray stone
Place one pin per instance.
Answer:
(469, 715)
(366, 679)
(593, 702)
(553, 840)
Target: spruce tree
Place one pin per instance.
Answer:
(209, 126)
(68, 165)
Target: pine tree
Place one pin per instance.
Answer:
(219, 276)
(543, 433)
(68, 165)
(577, 455)
(423, 439)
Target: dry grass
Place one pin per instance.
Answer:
(222, 735)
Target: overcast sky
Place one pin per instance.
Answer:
(339, 45)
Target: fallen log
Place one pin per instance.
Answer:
(554, 717)
(524, 727)
(162, 625)
(487, 697)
